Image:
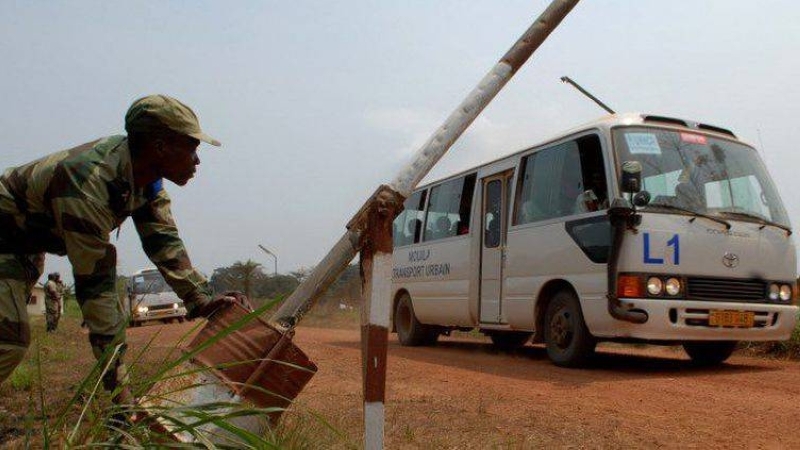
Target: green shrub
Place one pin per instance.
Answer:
(89, 418)
(22, 377)
(789, 349)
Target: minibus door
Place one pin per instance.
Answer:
(493, 241)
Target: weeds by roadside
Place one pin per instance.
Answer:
(789, 349)
(51, 410)
(22, 377)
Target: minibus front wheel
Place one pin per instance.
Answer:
(568, 341)
(410, 331)
(709, 353)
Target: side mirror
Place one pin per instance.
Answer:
(631, 177)
(621, 207)
(641, 198)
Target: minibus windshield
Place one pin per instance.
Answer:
(150, 283)
(701, 173)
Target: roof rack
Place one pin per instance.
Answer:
(687, 124)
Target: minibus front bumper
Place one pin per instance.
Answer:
(159, 314)
(691, 320)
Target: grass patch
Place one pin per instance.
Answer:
(52, 399)
(333, 318)
(23, 377)
(304, 430)
(789, 349)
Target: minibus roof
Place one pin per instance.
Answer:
(605, 123)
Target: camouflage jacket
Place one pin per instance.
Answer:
(52, 290)
(69, 202)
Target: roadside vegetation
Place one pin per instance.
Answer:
(51, 402)
(786, 349)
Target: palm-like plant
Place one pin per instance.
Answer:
(244, 274)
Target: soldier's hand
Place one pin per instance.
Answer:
(240, 299)
(209, 308)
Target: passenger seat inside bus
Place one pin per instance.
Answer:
(443, 227)
(414, 228)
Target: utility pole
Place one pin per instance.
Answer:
(271, 254)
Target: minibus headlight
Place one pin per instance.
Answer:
(142, 309)
(174, 306)
(774, 291)
(655, 286)
(785, 292)
(673, 286)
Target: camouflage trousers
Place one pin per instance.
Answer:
(18, 274)
(53, 312)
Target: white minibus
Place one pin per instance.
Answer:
(633, 228)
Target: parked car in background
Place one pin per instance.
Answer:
(151, 298)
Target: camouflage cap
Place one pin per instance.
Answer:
(157, 112)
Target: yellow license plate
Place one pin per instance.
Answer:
(739, 319)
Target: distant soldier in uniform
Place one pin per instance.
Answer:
(53, 299)
(69, 202)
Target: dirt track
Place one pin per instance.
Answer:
(464, 394)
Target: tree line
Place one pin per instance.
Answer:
(250, 278)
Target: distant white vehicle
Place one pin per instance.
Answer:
(633, 228)
(151, 298)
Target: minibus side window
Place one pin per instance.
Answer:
(449, 208)
(492, 219)
(407, 227)
(560, 181)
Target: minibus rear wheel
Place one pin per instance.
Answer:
(568, 341)
(709, 353)
(410, 331)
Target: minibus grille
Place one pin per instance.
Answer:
(160, 307)
(726, 289)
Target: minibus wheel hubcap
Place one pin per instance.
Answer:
(561, 327)
(404, 319)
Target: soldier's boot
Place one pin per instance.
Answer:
(17, 277)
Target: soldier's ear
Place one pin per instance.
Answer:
(159, 148)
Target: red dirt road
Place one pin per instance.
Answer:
(464, 394)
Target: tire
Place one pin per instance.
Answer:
(709, 353)
(568, 341)
(181, 319)
(410, 331)
(509, 340)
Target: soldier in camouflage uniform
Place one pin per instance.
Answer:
(69, 202)
(53, 299)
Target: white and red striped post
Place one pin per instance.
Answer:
(376, 262)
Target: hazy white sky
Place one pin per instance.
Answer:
(317, 102)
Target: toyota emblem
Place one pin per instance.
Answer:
(730, 260)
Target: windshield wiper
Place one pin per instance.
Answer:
(760, 220)
(695, 214)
